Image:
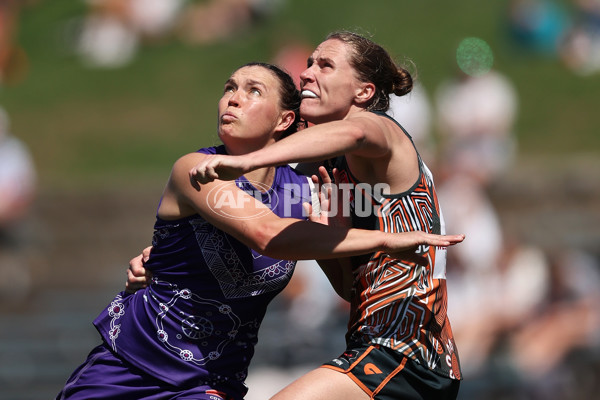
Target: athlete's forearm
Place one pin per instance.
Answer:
(316, 143)
(304, 240)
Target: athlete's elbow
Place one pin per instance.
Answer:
(357, 135)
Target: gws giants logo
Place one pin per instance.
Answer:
(371, 369)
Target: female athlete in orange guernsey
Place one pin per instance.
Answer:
(399, 342)
(398, 304)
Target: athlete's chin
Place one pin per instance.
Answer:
(227, 128)
(310, 112)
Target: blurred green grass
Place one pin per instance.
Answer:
(90, 125)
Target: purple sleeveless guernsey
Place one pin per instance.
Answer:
(197, 323)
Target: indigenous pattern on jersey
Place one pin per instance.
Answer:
(397, 303)
(197, 323)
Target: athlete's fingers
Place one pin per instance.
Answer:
(195, 178)
(315, 179)
(455, 239)
(194, 181)
(324, 175)
(201, 173)
(337, 176)
(325, 198)
(208, 174)
(138, 277)
(146, 253)
(322, 179)
(308, 209)
(442, 240)
(134, 279)
(135, 283)
(136, 266)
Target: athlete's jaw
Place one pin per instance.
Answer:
(312, 111)
(310, 102)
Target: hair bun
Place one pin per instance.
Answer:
(403, 83)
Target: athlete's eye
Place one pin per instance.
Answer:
(326, 64)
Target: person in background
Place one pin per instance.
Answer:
(18, 184)
(476, 115)
(14, 63)
(17, 178)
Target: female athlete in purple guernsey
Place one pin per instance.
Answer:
(191, 333)
(197, 323)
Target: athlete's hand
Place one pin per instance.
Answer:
(217, 166)
(137, 276)
(331, 200)
(404, 245)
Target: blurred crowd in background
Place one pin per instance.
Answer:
(111, 32)
(525, 318)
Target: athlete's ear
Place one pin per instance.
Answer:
(364, 92)
(285, 120)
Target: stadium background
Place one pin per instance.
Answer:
(103, 141)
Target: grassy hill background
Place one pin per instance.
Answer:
(87, 124)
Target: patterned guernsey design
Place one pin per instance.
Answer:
(197, 323)
(397, 303)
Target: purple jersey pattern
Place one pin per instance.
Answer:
(197, 323)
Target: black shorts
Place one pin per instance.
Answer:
(387, 375)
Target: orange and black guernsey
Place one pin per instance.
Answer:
(397, 303)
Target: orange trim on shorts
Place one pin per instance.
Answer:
(351, 376)
(351, 367)
(360, 384)
(359, 359)
(389, 377)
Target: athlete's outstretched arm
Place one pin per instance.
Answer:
(286, 238)
(361, 135)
